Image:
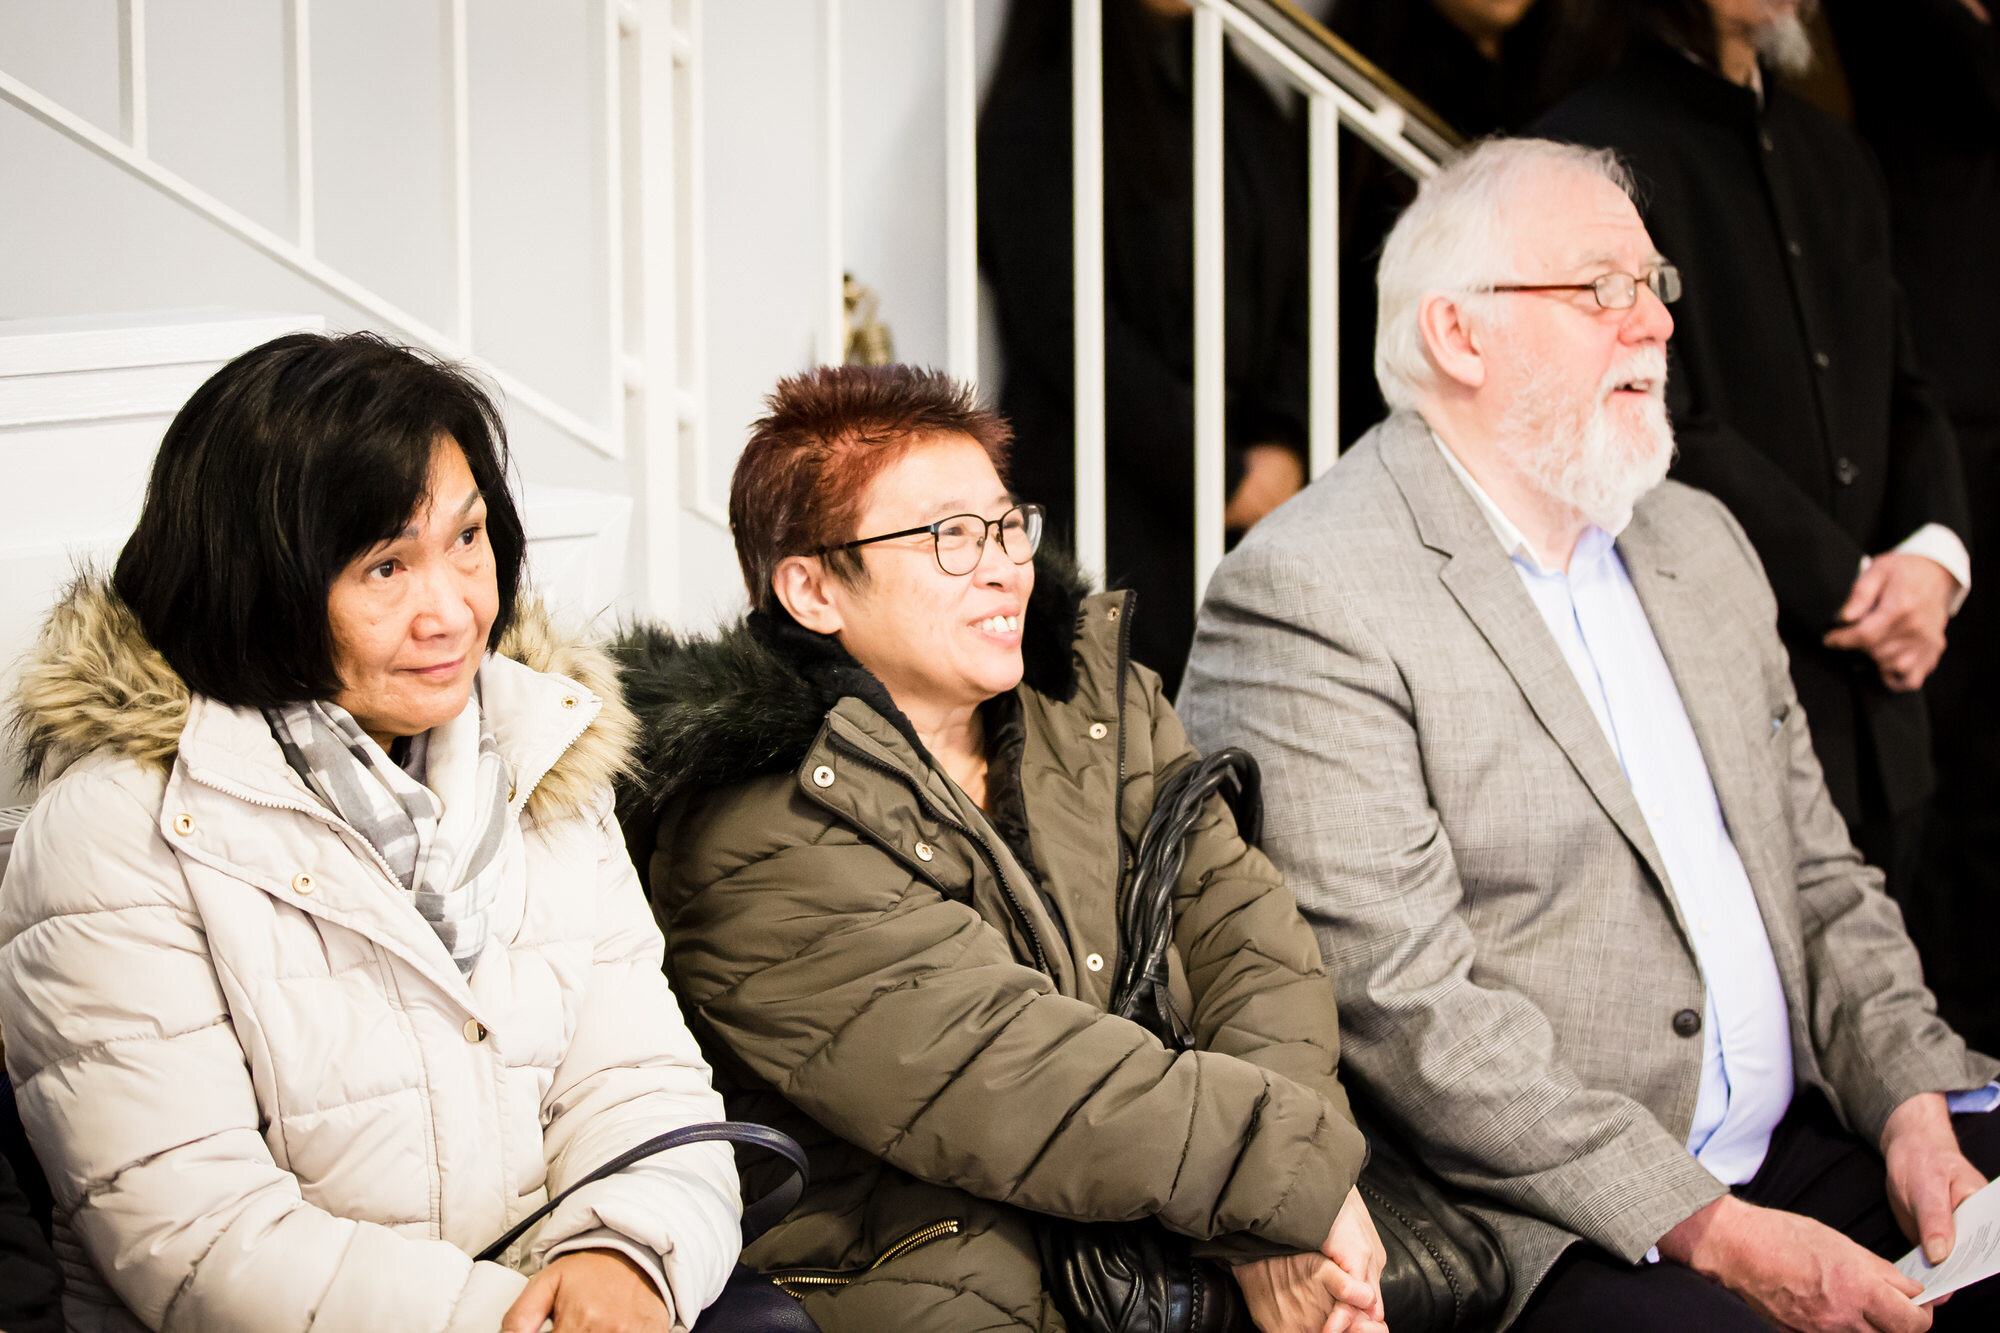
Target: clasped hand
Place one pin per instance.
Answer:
(1338, 1290)
(1897, 613)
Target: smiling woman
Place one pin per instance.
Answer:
(891, 816)
(321, 960)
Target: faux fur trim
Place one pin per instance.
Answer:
(750, 700)
(603, 754)
(92, 682)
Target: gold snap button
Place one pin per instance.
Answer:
(924, 852)
(1098, 731)
(475, 1031)
(1112, 614)
(1095, 962)
(302, 883)
(183, 824)
(569, 701)
(822, 776)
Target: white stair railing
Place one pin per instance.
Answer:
(1340, 89)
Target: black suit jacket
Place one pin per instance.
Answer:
(1794, 385)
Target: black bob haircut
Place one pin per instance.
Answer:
(286, 465)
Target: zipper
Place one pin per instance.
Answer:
(822, 1279)
(574, 737)
(946, 817)
(318, 812)
(1124, 667)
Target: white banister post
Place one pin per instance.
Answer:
(624, 378)
(298, 121)
(1209, 378)
(1087, 185)
(133, 122)
(458, 163)
(961, 193)
(833, 306)
(1323, 282)
(649, 98)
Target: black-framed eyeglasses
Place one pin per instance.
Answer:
(959, 540)
(1614, 291)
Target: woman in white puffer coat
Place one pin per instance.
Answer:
(321, 956)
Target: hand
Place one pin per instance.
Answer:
(1928, 1175)
(1896, 614)
(1795, 1272)
(1307, 1293)
(1354, 1245)
(1978, 10)
(1337, 1289)
(589, 1291)
(1272, 474)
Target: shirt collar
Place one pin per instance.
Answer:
(1513, 541)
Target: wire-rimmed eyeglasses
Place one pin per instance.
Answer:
(959, 540)
(1614, 291)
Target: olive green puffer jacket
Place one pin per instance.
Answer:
(916, 989)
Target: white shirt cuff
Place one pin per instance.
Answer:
(604, 1238)
(1935, 541)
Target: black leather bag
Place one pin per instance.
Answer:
(1445, 1271)
(1138, 1277)
(750, 1302)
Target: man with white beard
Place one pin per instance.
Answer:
(1534, 768)
(1795, 394)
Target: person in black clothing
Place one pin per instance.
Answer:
(1925, 78)
(1025, 244)
(1794, 385)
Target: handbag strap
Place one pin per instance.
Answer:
(1145, 908)
(758, 1217)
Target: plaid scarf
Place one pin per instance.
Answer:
(442, 840)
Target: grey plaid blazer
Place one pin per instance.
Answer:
(1505, 945)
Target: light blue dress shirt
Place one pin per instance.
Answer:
(1595, 616)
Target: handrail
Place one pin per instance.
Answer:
(1359, 76)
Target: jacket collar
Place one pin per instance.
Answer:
(752, 700)
(1697, 86)
(1480, 576)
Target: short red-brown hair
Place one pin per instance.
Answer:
(825, 435)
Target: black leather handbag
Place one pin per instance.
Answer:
(750, 1302)
(1445, 1271)
(1138, 1277)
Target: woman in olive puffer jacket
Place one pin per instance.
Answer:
(890, 816)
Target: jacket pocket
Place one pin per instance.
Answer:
(803, 1282)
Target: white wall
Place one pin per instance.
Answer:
(79, 236)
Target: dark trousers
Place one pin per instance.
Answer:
(1953, 907)
(1816, 1169)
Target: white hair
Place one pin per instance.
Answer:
(1457, 239)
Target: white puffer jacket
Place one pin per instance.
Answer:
(265, 1097)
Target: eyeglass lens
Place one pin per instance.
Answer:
(1620, 291)
(962, 538)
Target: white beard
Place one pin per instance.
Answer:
(1785, 43)
(1591, 464)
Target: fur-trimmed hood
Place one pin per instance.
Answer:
(92, 682)
(750, 700)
